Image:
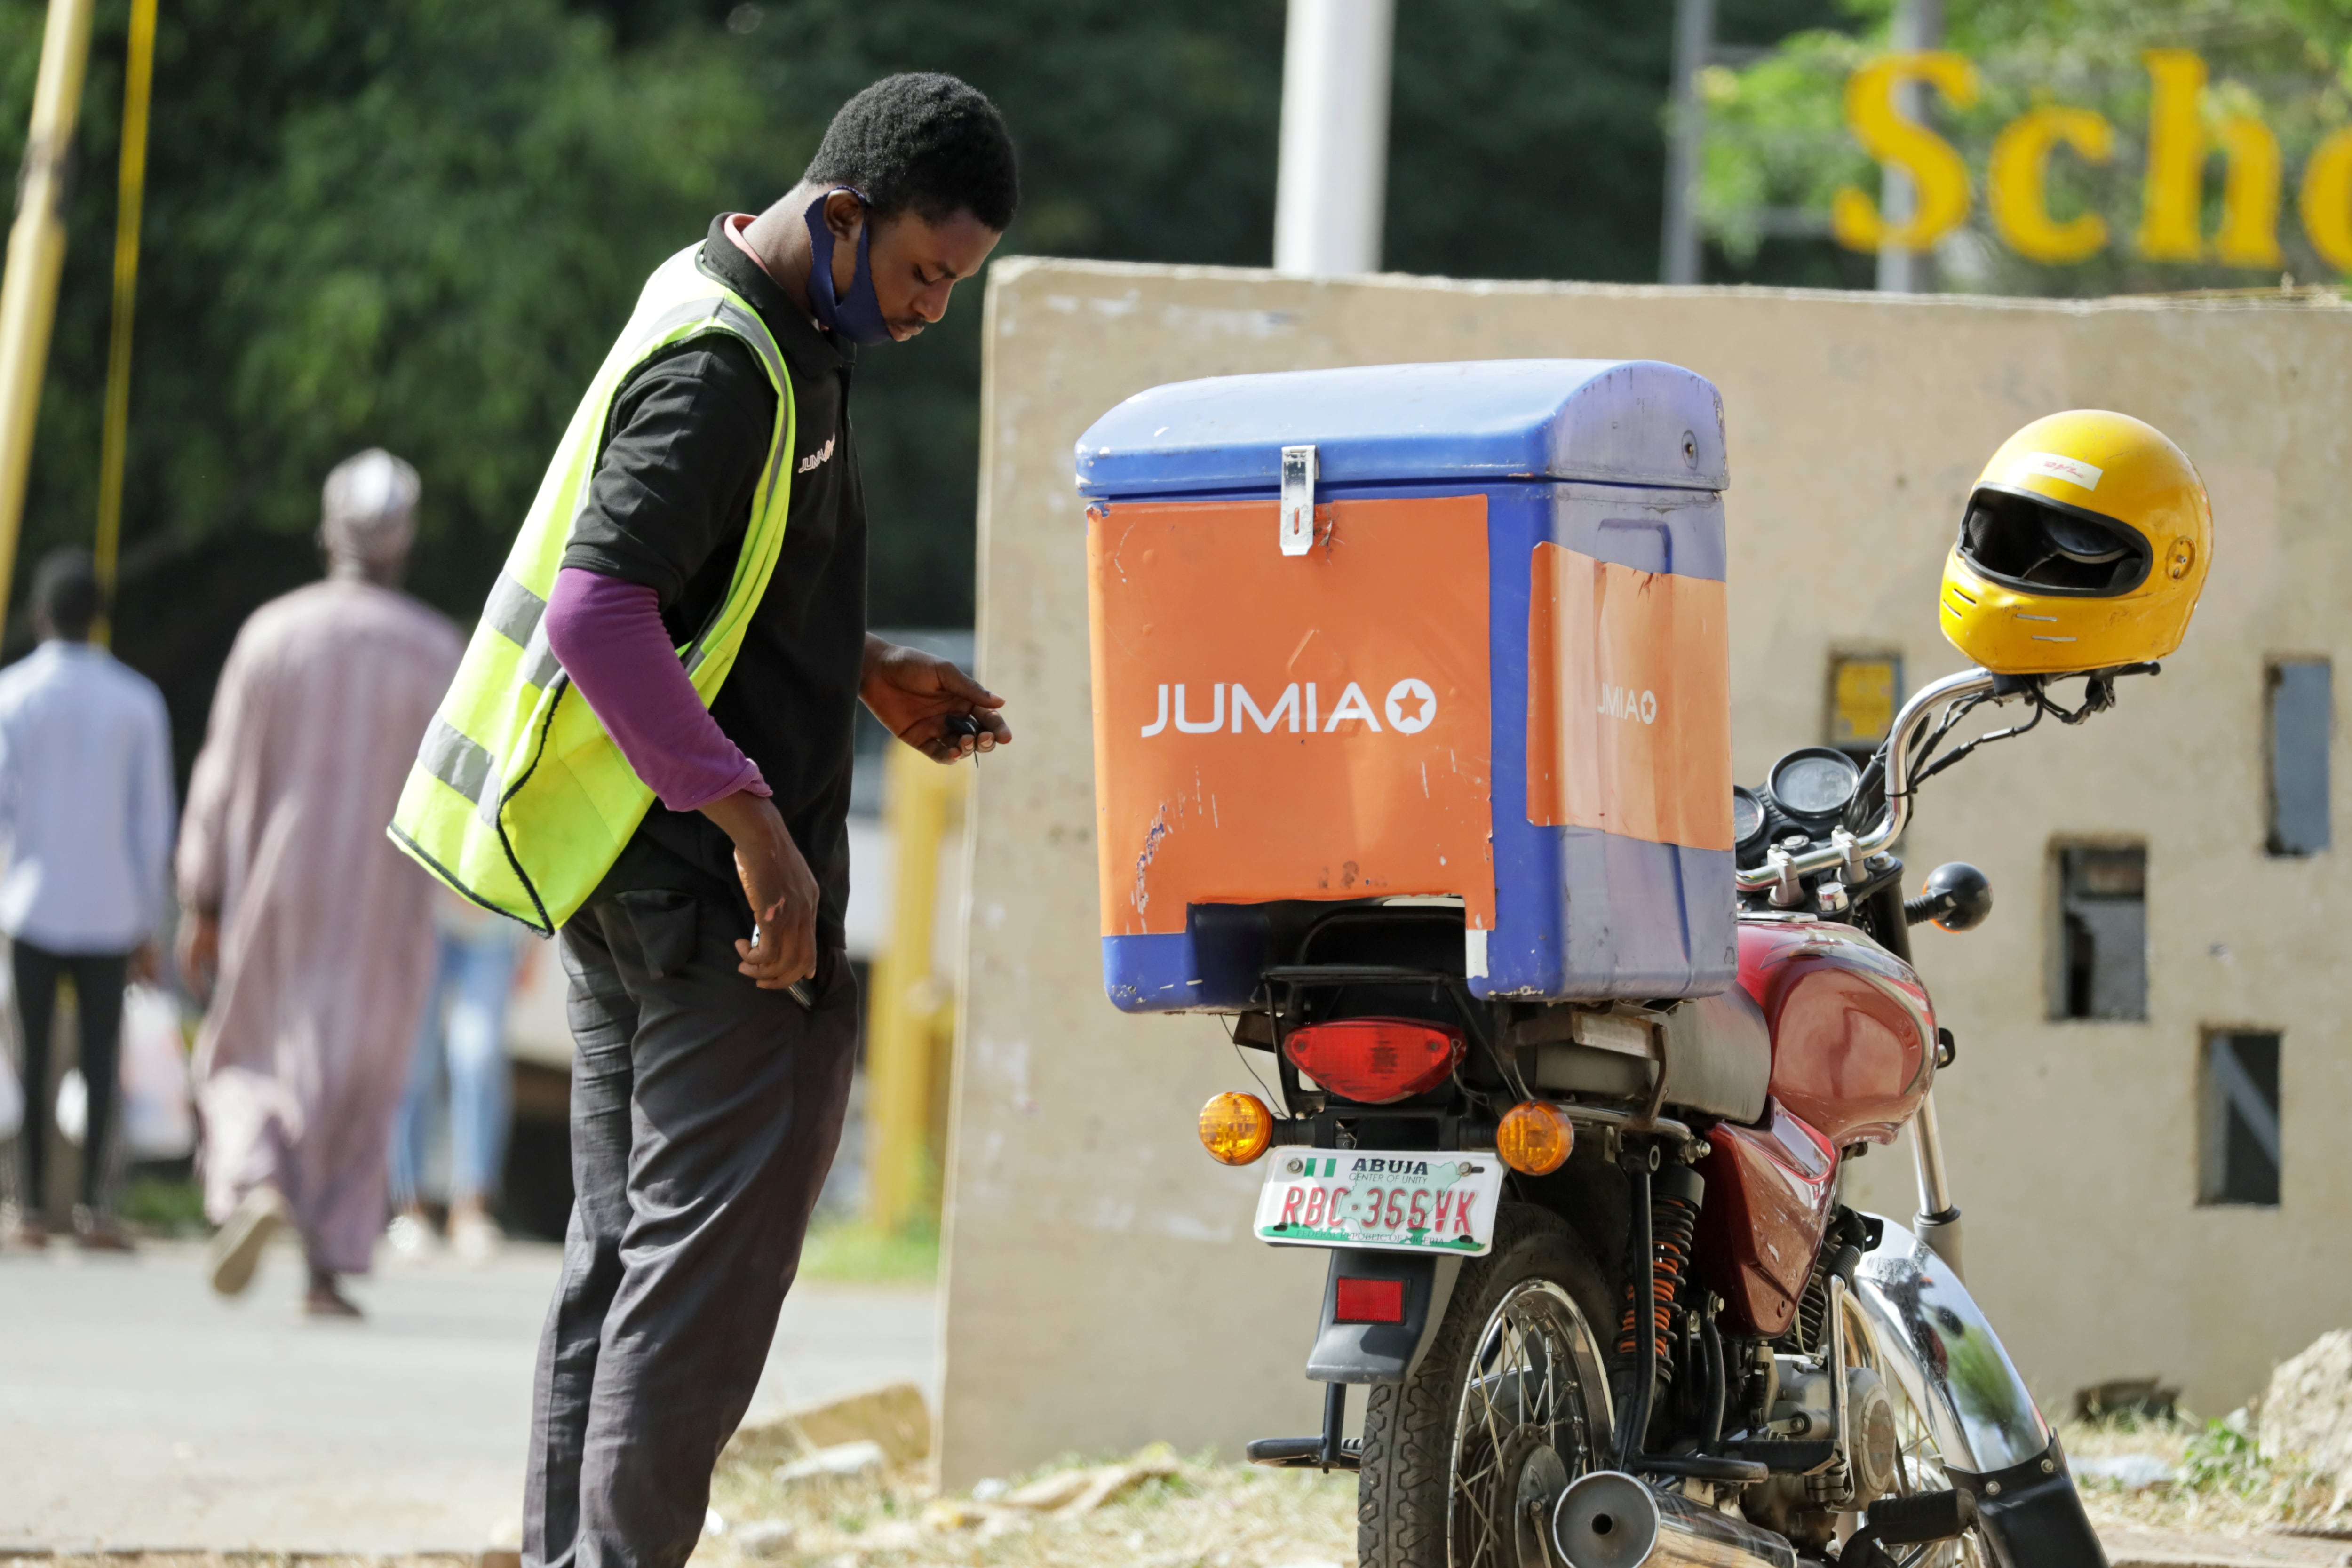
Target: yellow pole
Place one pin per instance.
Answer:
(918, 798)
(130, 190)
(37, 251)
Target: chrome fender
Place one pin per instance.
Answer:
(1935, 1343)
(1942, 1350)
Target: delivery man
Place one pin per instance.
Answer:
(648, 749)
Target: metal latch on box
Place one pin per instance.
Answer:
(1297, 499)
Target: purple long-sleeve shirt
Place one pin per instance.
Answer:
(608, 635)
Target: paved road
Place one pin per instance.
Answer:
(141, 1411)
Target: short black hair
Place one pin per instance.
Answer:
(924, 141)
(65, 592)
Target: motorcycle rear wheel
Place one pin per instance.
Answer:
(1462, 1461)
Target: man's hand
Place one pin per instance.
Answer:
(145, 963)
(777, 883)
(915, 694)
(199, 952)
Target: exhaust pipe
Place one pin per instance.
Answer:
(1610, 1519)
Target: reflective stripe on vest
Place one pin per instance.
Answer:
(519, 799)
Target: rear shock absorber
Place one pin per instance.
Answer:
(1676, 1194)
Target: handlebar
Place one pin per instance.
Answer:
(1845, 848)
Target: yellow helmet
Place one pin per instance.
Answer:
(2085, 546)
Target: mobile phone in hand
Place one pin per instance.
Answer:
(799, 989)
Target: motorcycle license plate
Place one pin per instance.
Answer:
(1441, 1202)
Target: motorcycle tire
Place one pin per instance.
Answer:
(1509, 1404)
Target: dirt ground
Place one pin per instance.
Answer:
(235, 1559)
(1156, 1511)
(1224, 1516)
(2224, 1508)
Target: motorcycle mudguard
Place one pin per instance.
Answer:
(1381, 1353)
(2033, 1514)
(1938, 1345)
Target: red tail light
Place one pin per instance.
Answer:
(1374, 1061)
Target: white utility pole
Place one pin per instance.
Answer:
(1679, 254)
(1918, 25)
(1330, 185)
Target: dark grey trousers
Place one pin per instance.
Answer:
(98, 1001)
(705, 1113)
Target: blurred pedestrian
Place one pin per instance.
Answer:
(86, 814)
(650, 746)
(464, 1037)
(314, 936)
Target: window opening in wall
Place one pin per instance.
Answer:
(1865, 688)
(2302, 723)
(2238, 1152)
(2102, 971)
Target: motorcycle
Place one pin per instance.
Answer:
(1589, 1259)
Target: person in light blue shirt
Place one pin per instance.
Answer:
(86, 820)
(464, 1035)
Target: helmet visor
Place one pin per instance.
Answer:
(2029, 543)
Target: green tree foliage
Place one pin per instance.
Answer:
(414, 224)
(418, 222)
(1146, 134)
(1498, 165)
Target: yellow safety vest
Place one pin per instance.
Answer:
(519, 799)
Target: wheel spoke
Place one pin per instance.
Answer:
(1524, 1393)
(1484, 1518)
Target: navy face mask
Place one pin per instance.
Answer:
(859, 317)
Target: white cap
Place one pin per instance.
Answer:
(369, 510)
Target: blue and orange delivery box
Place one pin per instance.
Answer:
(1423, 631)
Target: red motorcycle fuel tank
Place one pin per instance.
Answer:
(1853, 1034)
(1853, 1055)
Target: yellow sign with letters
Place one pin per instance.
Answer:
(2179, 140)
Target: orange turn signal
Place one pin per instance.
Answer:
(1235, 1129)
(1533, 1139)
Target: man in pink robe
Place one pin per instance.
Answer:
(315, 933)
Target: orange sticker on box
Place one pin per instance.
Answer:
(1629, 701)
(1289, 726)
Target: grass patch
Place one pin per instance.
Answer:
(163, 1205)
(2221, 1460)
(852, 1252)
(2220, 1484)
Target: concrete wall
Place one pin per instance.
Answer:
(1100, 1289)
